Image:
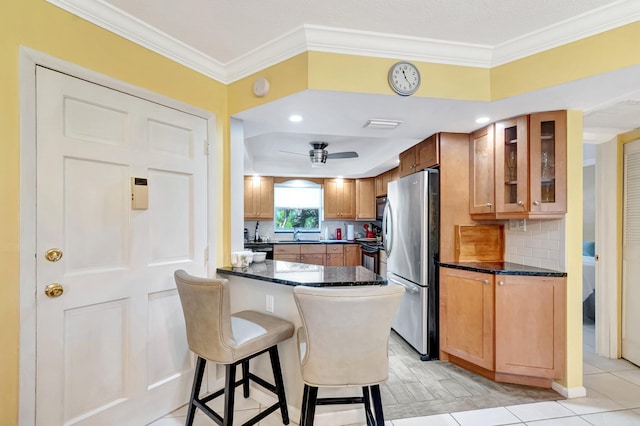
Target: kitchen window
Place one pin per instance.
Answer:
(297, 206)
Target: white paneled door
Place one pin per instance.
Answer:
(631, 254)
(111, 348)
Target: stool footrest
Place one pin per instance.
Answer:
(262, 382)
(340, 400)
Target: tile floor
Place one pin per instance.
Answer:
(445, 395)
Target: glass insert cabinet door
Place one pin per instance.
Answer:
(548, 133)
(512, 165)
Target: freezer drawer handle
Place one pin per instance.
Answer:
(410, 289)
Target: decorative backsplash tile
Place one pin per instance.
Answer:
(541, 245)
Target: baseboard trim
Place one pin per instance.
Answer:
(577, 392)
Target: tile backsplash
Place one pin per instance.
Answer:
(266, 229)
(541, 245)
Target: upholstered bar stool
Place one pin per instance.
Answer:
(343, 342)
(215, 335)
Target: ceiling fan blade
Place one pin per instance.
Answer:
(339, 155)
(294, 153)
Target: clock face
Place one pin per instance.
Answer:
(404, 78)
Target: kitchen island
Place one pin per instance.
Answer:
(268, 287)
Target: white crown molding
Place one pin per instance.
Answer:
(360, 43)
(133, 29)
(578, 27)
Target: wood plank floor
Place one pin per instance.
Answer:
(420, 388)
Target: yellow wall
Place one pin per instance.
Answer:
(573, 253)
(38, 25)
(43, 27)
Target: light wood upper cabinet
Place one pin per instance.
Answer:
(466, 316)
(258, 197)
(365, 199)
(339, 199)
(421, 156)
(512, 165)
(548, 164)
(381, 184)
(526, 177)
(530, 326)
(481, 171)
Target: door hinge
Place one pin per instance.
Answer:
(206, 254)
(206, 147)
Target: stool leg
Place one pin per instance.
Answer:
(311, 406)
(377, 404)
(371, 421)
(195, 390)
(303, 409)
(245, 378)
(229, 391)
(277, 376)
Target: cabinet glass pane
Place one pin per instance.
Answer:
(511, 165)
(547, 161)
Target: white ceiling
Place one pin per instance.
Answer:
(228, 40)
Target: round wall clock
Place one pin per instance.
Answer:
(404, 78)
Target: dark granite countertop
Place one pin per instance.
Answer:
(291, 273)
(503, 268)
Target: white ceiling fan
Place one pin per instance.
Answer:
(319, 155)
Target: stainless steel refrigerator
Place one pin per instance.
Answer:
(411, 238)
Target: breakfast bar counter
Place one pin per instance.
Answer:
(268, 287)
(292, 274)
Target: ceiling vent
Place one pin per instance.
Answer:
(382, 124)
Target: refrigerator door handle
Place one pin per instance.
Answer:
(387, 224)
(408, 287)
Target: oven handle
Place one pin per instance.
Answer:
(411, 289)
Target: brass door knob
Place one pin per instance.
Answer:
(54, 290)
(53, 255)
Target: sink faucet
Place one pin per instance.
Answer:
(295, 234)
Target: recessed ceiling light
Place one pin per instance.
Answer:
(482, 120)
(382, 124)
(295, 118)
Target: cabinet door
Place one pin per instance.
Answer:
(407, 162)
(466, 316)
(548, 162)
(287, 257)
(381, 183)
(339, 199)
(427, 153)
(352, 255)
(481, 176)
(264, 190)
(249, 209)
(258, 197)
(335, 259)
(512, 165)
(394, 174)
(331, 207)
(530, 326)
(313, 259)
(365, 199)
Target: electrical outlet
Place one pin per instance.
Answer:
(517, 225)
(269, 303)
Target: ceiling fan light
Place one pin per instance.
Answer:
(318, 156)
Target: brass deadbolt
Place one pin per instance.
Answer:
(53, 255)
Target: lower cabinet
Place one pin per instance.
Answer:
(319, 254)
(511, 327)
(313, 254)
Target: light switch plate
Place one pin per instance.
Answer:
(269, 303)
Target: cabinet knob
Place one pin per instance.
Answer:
(521, 203)
(537, 203)
(485, 282)
(489, 204)
(501, 283)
